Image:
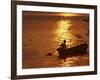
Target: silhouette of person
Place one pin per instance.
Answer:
(62, 50)
(63, 45)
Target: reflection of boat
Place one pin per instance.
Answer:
(73, 51)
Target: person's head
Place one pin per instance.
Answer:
(64, 41)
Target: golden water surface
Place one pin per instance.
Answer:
(44, 35)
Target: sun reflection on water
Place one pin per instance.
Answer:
(69, 61)
(63, 31)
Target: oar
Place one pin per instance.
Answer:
(52, 54)
(49, 54)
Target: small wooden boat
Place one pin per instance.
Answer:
(73, 51)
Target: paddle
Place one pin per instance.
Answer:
(49, 54)
(54, 53)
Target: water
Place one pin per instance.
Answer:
(44, 35)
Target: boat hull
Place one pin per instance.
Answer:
(73, 51)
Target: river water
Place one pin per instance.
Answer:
(43, 34)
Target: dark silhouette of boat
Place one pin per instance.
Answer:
(73, 51)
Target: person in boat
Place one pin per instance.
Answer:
(63, 45)
(61, 50)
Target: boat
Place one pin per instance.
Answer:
(73, 51)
